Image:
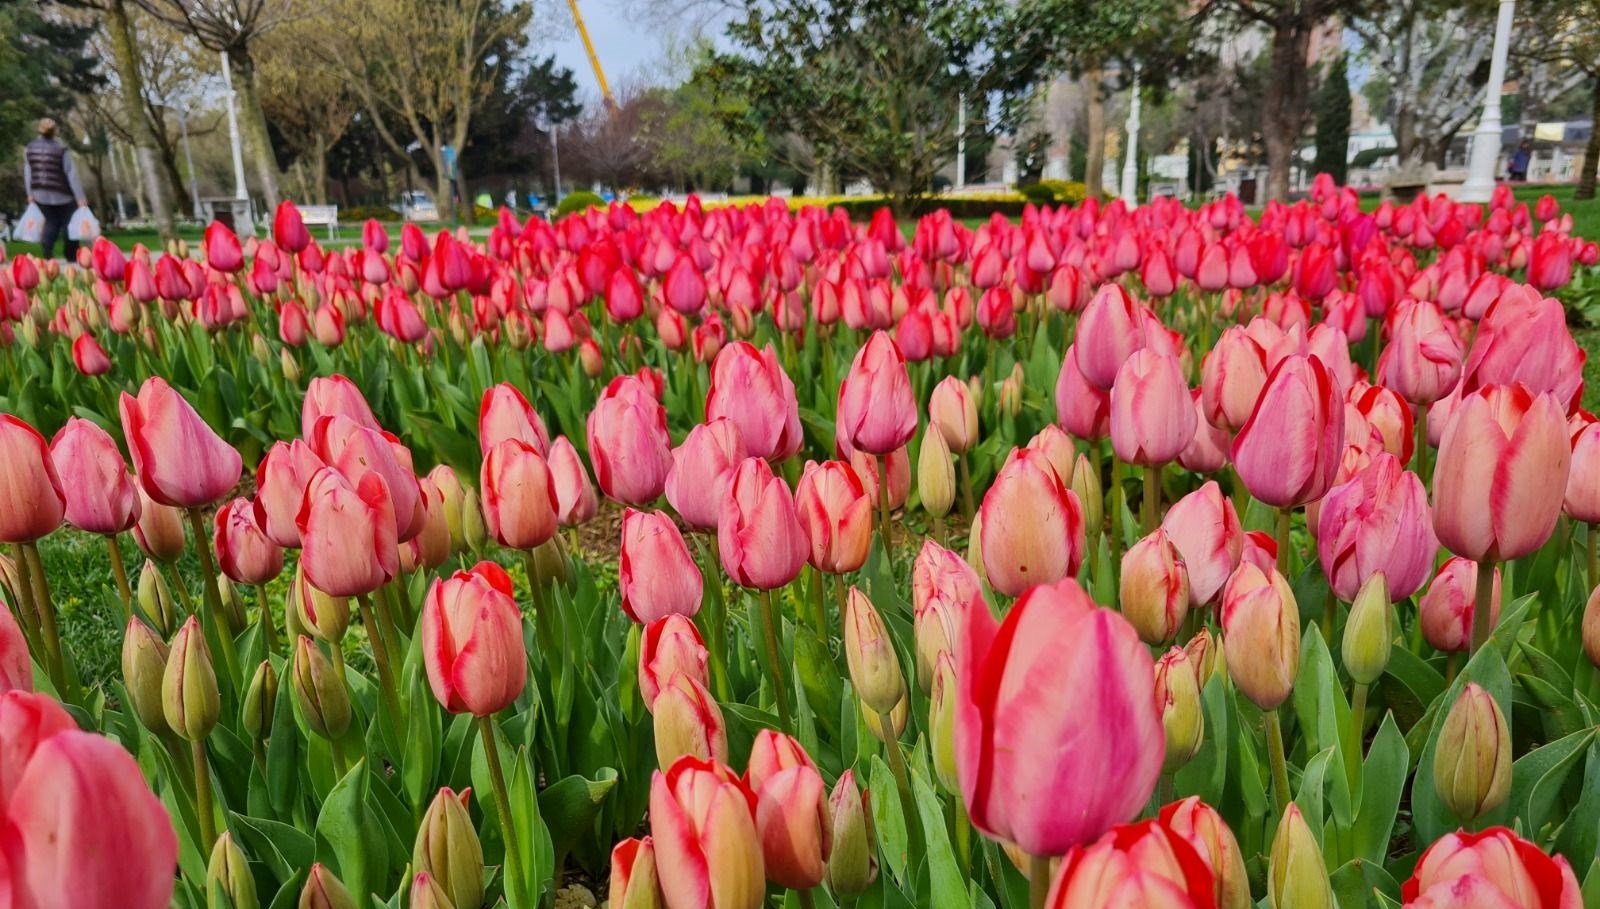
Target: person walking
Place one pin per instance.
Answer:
(52, 184)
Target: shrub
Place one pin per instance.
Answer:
(1054, 192)
(581, 200)
(357, 214)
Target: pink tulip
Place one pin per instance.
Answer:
(1145, 864)
(329, 395)
(280, 488)
(1205, 528)
(836, 513)
(866, 467)
(953, 411)
(759, 535)
(943, 588)
(16, 667)
(519, 496)
(347, 534)
(1501, 474)
(708, 853)
(356, 451)
(749, 387)
(670, 645)
(634, 878)
(700, 470)
(1491, 869)
(1111, 329)
(244, 553)
(1582, 498)
(1261, 624)
(1287, 453)
(159, 530)
(576, 501)
(1422, 360)
(1524, 339)
(472, 641)
(506, 414)
(179, 459)
(1232, 376)
(1045, 701)
(792, 816)
(1446, 610)
(430, 548)
(628, 442)
(1083, 410)
(100, 495)
(1377, 523)
(1152, 416)
(877, 411)
(32, 499)
(222, 248)
(1032, 526)
(657, 576)
(1200, 823)
(89, 357)
(1207, 452)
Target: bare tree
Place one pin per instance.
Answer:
(312, 106)
(1562, 33)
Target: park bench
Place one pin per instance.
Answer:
(321, 216)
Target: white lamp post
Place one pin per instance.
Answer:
(248, 227)
(1130, 165)
(961, 143)
(1486, 140)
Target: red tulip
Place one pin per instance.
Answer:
(89, 357)
(244, 553)
(759, 535)
(1316, 274)
(32, 500)
(100, 495)
(628, 442)
(670, 645)
(1491, 869)
(702, 820)
(1046, 700)
(576, 501)
(330, 395)
(519, 496)
(281, 487)
(1032, 526)
(222, 249)
(1287, 453)
(792, 816)
(877, 411)
(1111, 329)
(700, 470)
(749, 387)
(109, 262)
(506, 414)
(1144, 864)
(1083, 410)
(472, 641)
(836, 513)
(1502, 473)
(1152, 416)
(1377, 523)
(288, 228)
(685, 287)
(1550, 262)
(347, 534)
(1446, 610)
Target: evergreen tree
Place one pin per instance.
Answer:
(43, 66)
(1333, 122)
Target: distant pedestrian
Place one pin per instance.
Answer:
(1517, 167)
(52, 184)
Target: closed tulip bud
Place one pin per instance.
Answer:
(952, 410)
(472, 641)
(877, 410)
(474, 533)
(289, 366)
(634, 884)
(1086, 486)
(320, 695)
(1143, 864)
(326, 617)
(447, 848)
(451, 492)
(936, 475)
(576, 501)
(688, 721)
(260, 700)
(1152, 415)
(1591, 628)
(189, 696)
(853, 865)
(708, 855)
(759, 536)
(1009, 398)
(1296, 876)
(1261, 623)
(1178, 696)
(1207, 655)
(233, 611)
(325, 891)
(1204, 827)
(427, 894)
(228, 878)
(155, 599)
(1472, 759)
(669, 646)
(159, 530)
(629, 447)
(1446, 609)
(942, 724)
(1154, 589)
(874, 667)
(259, 349)
(657, 576)
(551, 564)
(898, 717)
(1368, 633)
(144, 664)
(1032, 530)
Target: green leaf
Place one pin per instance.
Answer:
(286, 850)
(1537, 777)
(1383, 783)
(1579, 839)
(350, 837)
(569, 808)
(889, 819)
(947, 884)
(1359, 883)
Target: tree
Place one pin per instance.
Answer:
(311, 107)
(1333, 122)
(44, 66)
(1562, 32)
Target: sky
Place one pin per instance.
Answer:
(631, 45)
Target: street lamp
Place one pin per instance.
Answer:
(248, 228)
(1486, 139)
(1130, 165)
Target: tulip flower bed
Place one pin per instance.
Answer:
(747, 557)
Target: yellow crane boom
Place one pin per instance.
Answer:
(594, 59)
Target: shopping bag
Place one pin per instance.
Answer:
(31, 228)
(83, 226)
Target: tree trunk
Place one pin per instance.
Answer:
(253, 121)
(1591, 152)
(319, 170)
(469, 208)
(169, 171)
(444, 197)
(126, 52)
(1285, 102)
(1094, 149)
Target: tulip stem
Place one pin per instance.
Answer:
(47, 617)
(1151, 506)
(502, 804)
(1358, 724)
(967, 507)
(120, 572)
(380, 655)
(902, 781)
(27, 610)
(1422, 443)
(715, 621)
(804, 896)
(337, 649)
(885, 529)
(1592, 547)
(963, 825)
(1285, 522)
(213, 597)
(1116, 517)
(769, 633)
(202, 796)
(1038, 880)
(1482, 620)
(269, 633)
(543, 618)
(1280, 763)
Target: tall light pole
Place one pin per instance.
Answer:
(188, 157)
(961, 142)
(1486, 139)
(248, 228)
(1130, 165)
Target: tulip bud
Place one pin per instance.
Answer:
(1010, 397)
(1086, 486)
(688, 722)
(260, 699)
(1178, 696)
(1261, 623)
(936, 475)
(1472, 759)
(189, 696)
(290, 366)
(474, 533)
(1154, 588)
(447, 848)
(319, 692)
(897, 721)
(324, 616)
(874, 666)
(942, 724)
(155, 599)
(144, 662)
(427, 894)
(1591, 627)
(325, 891)
(853, 864)
(551, 564)
(1368, 635)
(451, 492)
(1204, 827)
(228, 879)
(233, 612)
(1296, 877)
(1206, 655)
(634, 884)
(260, 350)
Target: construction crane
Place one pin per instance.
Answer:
(594, 59)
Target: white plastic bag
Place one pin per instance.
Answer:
(31, 228)
(83, 226)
